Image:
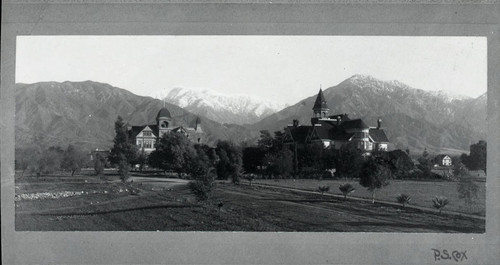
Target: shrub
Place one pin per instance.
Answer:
(323, 189)
(439, 202)
(204, 187)
(346, 189)
(250, 177)
(403, 199)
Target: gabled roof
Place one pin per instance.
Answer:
(137, 129)
(440, 156)
(320, 102)
(299, 133)
(322, 132)
(354, 124)
(378, 135)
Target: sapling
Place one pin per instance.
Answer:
(346, 189)
(403, 199)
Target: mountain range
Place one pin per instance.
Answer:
(412, 118)
(223, 108)
(83, 113)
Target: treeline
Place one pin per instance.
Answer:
(36, 159)
(270, 158)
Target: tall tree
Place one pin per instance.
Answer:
(280, 163)
(230, 161)
(349, 161)
(51, 159)
(477, 156)
(425, 164)
(173, 152)
(123, 152)
(73, 159)
(374, 175)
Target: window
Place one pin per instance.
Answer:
(146, 133)
(148, 144)
(139, 143)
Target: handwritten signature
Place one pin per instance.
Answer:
(445, 254)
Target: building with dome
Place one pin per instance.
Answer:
(145, 136)
(334, 131)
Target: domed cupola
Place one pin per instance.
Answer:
(163, 113)
(163, 119)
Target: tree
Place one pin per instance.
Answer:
(403, 199)
(323, 189)
(476, 160)
(265, 141)
(73, 159)
(439, 202)
(30, 158)
(279, 163)
(173, 152)
(349, 161)
(21, 160)
(374, 175)
(202, 171)
(123, 152)
(230, 161)
(141, 159)
(346, 189)
(466, 188)
(425, 164)
(252, 159)
(99, 163)
(51, 159)
(402, 163)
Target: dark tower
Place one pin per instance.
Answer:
(320, 107)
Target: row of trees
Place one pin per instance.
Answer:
(37, 160)
(272, 159)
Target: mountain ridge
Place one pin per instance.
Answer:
(449, 123)
(223, 108)
(83, 113)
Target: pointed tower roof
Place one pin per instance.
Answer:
(320, 103)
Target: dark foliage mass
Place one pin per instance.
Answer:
(123, 153)
(476, 160)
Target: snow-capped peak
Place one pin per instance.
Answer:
(227, 108)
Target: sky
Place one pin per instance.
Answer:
(284, 69)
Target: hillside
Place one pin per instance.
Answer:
(83, 113)
(411, 117)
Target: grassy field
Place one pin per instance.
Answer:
(88, 203)
(422, 192)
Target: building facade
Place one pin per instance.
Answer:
(146, 136)
(334, 131)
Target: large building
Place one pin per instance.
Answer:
(145, 136)
(334, 131)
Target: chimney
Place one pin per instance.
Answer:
(295, 123)
(379, 123)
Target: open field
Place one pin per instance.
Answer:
(85, 203)
(422, 192)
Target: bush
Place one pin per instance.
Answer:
(201, 190)
(346, 189)
(323, 189)
(403, 199)
(439, 202)
(250, 177)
